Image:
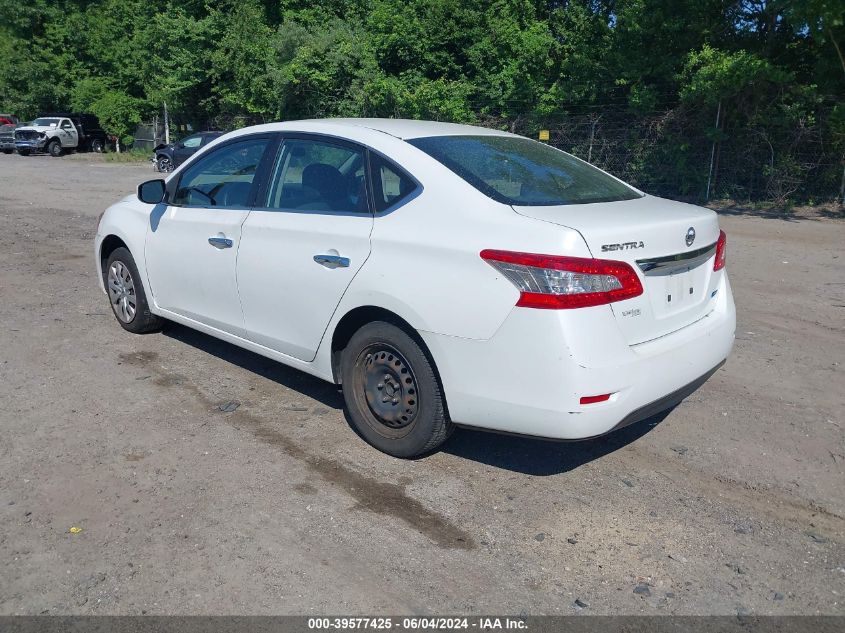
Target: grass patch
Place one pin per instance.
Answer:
(130, 156)
(830, 209)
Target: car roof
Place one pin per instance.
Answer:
(400, 128)
(409, 128)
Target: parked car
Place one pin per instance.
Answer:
(442, 274)
(169, 157)
(57, 133)
(7, 137)
(8, 119)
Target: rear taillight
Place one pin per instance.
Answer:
(556, 282)
(719, 262)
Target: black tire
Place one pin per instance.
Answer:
(8, 151)
(97, 145)
(141, 320)
(23, 152)
(54, 148)
(392, 393)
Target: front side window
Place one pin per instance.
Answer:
(223, 178)
(192, 141)
(67, 125)
(312, 175)
(519, 171)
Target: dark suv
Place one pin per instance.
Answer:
(169, 157)
(8, 123)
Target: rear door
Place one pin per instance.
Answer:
(207, 138)
(186, 148)
(303, 242)
(192, 244)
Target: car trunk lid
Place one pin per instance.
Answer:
(670, 245)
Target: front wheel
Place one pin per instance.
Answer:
(8, 151)
(126, 294)
(54, 147)
(23, 152)
(164, 164)
(392, 394)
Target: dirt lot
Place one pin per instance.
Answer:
(733, 502)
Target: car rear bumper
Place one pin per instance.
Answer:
(530, 376)
(666, 402)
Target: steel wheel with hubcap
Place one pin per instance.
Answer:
(392, 393)
(122, 292)
(126, 293)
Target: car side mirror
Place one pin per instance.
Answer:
(152, 191)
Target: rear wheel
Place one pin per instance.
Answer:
(392, 393)
(54, 147)
(98, 146)
(126, 294)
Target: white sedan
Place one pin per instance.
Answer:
(442, 274)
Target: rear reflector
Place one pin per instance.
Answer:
(721, 244)
(555, 282)
(594, 399)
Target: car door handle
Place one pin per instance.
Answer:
(332, 261)
(220, 242)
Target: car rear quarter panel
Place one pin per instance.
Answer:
(425, 262)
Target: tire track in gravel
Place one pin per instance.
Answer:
(370, 494)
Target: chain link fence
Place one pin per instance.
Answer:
(679, 153)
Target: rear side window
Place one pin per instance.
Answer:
(223, 178)
(312, 175)
(519, 171)
(391, 185)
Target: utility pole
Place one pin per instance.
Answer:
(842, 188)
(593, 123)
(166, 126)
(713, 153)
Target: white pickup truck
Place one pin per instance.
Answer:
(55, 134)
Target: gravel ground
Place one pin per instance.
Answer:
(731, 503)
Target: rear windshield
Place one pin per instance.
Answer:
(519, 171)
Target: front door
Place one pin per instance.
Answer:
(303, 243)
(193, 240)
(68, 134)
